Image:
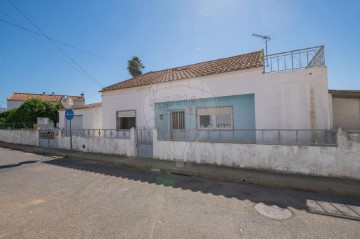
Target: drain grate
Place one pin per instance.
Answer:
(274, 212)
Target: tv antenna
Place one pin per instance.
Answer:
(266, 38)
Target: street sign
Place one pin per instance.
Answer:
(69, 114)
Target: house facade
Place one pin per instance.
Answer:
(236, 93)
(15, 100)
(85, 117)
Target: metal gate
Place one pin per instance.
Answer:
(49, 138)
(144, 143)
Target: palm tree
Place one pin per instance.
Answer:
(134, 66)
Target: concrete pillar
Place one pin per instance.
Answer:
(133, 140)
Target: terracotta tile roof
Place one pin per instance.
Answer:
(44, 97)
(234, 63)
(350, 94)
(88, 106)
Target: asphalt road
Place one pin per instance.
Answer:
(49, 197)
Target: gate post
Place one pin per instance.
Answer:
(133, 141)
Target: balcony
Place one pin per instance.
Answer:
(292, 60)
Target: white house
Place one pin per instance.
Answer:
(85, 117)
(248, 91)
(345, 108)
(15, 100)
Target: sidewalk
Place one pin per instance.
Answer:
(275, 179)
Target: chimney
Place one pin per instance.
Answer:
(44, 93)
(53, 93)
(82, 94)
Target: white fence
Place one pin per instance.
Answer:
(24, 137)
(119, 146)
(340, 161)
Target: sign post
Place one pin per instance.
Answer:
(69, 115)
(68, 103)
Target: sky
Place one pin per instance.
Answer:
(95, 39)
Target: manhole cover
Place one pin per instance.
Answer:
(273, 211)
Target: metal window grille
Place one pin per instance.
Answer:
(178, 119)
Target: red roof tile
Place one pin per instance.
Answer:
(44, 97)
(88, 106)
(234, 63)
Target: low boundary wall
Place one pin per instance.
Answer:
(24, 137)
(341, 161)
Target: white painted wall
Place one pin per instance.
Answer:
(341, 161)
(91, 117)
(114, 146)
(286, 100)
(25, 137)
(346, 113)
(13, 104)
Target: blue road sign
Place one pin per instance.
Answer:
(69, 114)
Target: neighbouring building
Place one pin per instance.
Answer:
(345, 108)
(15, 100)
(249, 91)
(2, 109)
(85, 117)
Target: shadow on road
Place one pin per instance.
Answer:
(17, 164)
(329, 205)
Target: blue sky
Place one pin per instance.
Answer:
(164, 34)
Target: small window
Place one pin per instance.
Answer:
(178, 120)
(223, 121)
(215, 117)
(125, 119)
(205, 121)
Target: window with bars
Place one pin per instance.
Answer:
(126, 119)
(215, 117)
(177, 120)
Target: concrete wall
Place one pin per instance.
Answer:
(125, 147)
(25, 137)
(285, 100)
(341, 161)
(346, 113)
(91, 118)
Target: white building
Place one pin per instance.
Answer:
(85, 117)
(15, 100)
(249, 91)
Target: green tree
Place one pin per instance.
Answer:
(31, 109)
(135, 66)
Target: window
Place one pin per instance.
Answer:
(125, 119)
(177, 120)
(214, 118)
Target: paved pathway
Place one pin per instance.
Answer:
(68, 198)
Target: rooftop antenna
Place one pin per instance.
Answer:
(266, 38)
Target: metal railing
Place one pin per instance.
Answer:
(298, 59)
(255, 136)
(17, 125)
(103, 133)
(49, 134)
(144, 136)
(353, 134)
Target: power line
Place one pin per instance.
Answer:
(42, 43)
(56, 45)
(61, 42)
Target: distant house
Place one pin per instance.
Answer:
(86, 117)
(17, 99)
(345, 108)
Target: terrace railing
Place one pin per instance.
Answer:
(255, 136)
(297, 59)
(103, 133)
